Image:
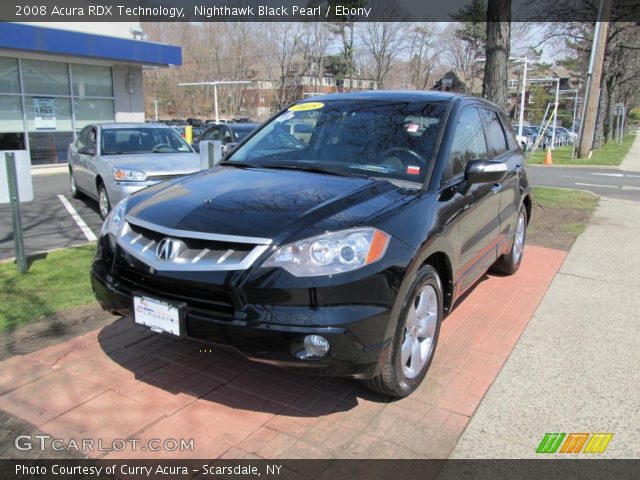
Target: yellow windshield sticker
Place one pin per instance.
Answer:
(304, 107)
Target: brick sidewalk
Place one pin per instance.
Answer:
(124, 381)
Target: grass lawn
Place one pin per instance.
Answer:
(611, 154)
(57, 281)
(559, 216)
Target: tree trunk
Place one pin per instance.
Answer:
(494, 87)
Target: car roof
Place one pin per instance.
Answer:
(390, 95)
(243, 126)
(131, 125)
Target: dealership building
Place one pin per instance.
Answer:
(57, 78)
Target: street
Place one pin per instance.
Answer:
(48, 224)
(606, 182)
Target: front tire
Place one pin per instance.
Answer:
(73, 185)
(103, 201)
(509, 263)
(407, 360)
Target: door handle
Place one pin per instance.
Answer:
(496, 187)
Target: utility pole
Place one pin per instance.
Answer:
(155, 107)
(594, 77)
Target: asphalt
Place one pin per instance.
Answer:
(46, 223)
(575, 368)
(606, 182)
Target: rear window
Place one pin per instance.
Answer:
(496, 140)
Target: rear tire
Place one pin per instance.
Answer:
(407, 360)
(509, 263)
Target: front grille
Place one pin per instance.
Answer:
(207, 302)
(189, 251)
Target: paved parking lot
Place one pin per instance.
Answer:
(46, 221)
(123, 381)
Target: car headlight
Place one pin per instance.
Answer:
(331, 253)
(115, 221)
(128, 175)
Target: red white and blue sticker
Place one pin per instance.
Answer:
(413, 170)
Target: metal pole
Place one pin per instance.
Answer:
(155, 106)
(14, 199)
(524, 89)
(555, 116)
(215, 101)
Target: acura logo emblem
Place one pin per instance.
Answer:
(168, 248)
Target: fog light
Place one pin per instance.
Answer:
(315, 346)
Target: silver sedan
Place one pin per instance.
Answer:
(109, 162)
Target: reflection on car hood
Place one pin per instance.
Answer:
(265, 203)
(156, 163)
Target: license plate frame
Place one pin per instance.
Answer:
(159, 315)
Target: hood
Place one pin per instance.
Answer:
(267, 203)
(157, 163)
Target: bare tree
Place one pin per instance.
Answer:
(287, 47)
(424, 51)
(384, 42)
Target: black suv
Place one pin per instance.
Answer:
(334, 239)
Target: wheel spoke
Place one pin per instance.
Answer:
(411, 319)
(406, 349)
(417, 360)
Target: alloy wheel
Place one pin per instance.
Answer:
(419, 331)
(518, 241)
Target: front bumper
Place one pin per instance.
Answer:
(265, 333)
(120, 190)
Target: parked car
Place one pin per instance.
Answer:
(229, 134)
(108, 162)
(195, 132)
(336, 254)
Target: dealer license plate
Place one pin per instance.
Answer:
(158, 315)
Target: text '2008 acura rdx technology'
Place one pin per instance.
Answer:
(334, 239)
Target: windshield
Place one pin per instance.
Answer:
(393, 139)
(117, 141)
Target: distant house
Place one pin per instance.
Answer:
(302, 79)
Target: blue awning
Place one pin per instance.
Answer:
(63, 42)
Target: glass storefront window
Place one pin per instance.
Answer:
(43, 77)
(9, 81)
(49, 147)
(10, 114)
(93, 110)
(12, 141)
(48, 113)
(91, 81)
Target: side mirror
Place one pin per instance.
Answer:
(485, 171)
(228, 148)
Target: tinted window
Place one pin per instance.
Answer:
(468, 143)
(392, 139)
(496, 141)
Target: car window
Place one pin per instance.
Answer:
(211, 134)
(468, 144)
(226, 136)
(512, 141)
(393, 139)
(496, 140)
(83, 138)
(117, 141)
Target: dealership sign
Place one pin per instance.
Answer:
(44, 113)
